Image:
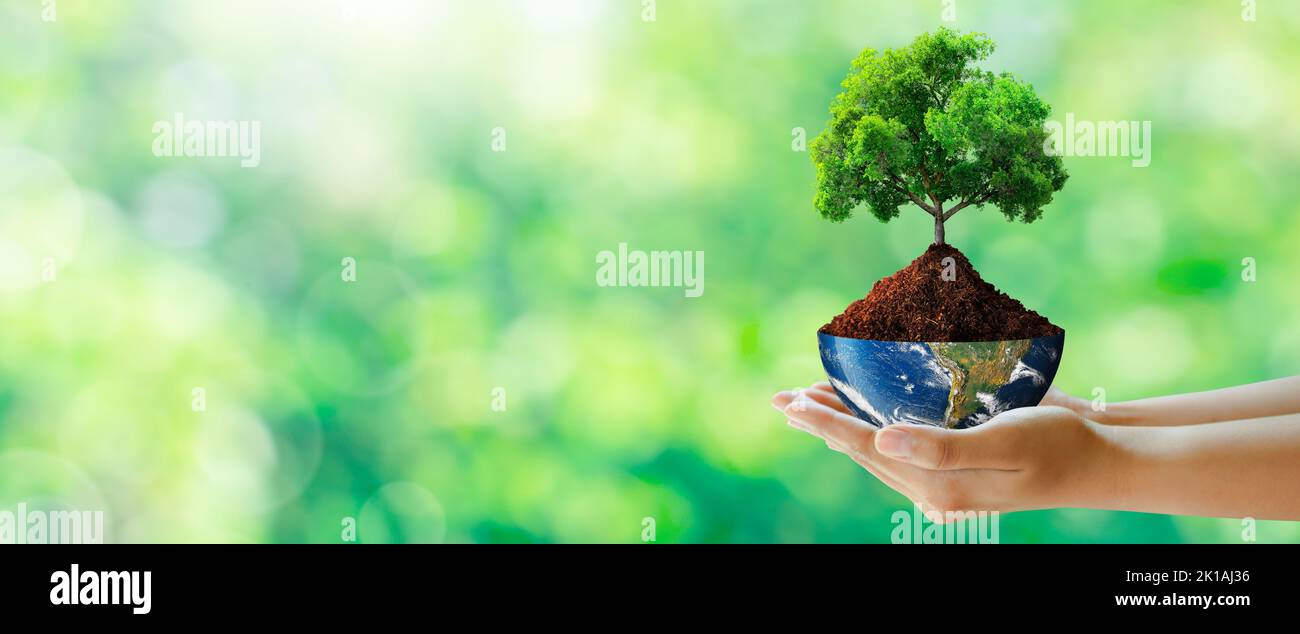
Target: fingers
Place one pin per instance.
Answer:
(820, 413)
(821, 392)
(817, 410)
(895, 475)
(832, 424)
(827, 398)
(832, 398)
(852, 436)
(820, 386)
(882, 475)
(947, 449)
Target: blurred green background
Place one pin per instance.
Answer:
(373, 400)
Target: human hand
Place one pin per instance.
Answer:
(1028, 458)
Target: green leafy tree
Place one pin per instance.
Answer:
(923, 124)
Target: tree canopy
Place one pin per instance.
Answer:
(922, 124)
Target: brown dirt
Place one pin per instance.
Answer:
(917, 304)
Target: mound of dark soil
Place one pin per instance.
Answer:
(920, 303)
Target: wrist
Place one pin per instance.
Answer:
(1111, 468)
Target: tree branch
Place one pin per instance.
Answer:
(902, 188)
(940, 101)
(965, 203)
(929, 190)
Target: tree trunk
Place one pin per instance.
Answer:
(938, 229)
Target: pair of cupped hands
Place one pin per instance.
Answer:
(1022, 459)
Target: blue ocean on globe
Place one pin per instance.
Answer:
(947, 384)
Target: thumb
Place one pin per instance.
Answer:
(941, 449)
